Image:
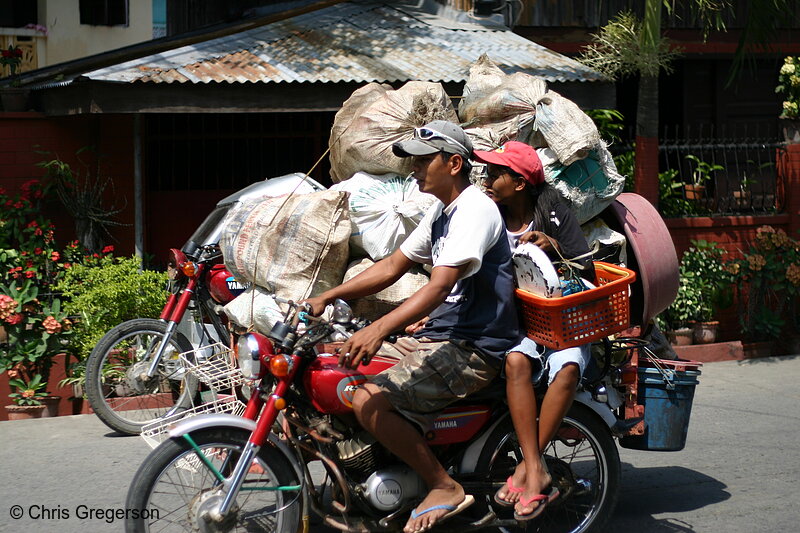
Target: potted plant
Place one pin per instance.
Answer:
(768, 281)
(13, 98)
(704, 289)
(701, 174)
(703, 264)
(789, 85)
(27, 400)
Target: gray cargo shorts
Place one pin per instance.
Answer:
(429, 376)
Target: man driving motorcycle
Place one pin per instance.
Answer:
(472, 316)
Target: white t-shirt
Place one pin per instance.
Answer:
(475, 226)
(480, 308)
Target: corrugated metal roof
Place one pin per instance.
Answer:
(359, 41)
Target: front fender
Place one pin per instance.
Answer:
(200, 422)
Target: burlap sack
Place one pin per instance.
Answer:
(366, 145)
(376, 305)
(568, 131)
(352, 108)
(297, 245)
(501, 103)
(384, 210)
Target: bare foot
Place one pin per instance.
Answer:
(537, 481)
(450, 496)
(518, 481)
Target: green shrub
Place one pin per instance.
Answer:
(105, 294)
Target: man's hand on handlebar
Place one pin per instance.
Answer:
(360, 347)
(317, 305)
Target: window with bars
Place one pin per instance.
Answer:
(230, 151)
(103, 12)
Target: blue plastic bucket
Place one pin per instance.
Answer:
(667, 404)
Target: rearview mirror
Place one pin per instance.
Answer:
(342, 314)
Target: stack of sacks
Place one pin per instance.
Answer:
(497, 108)
(374, 118)
(296, 245)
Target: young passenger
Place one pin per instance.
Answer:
(533, 212)
(472, 317)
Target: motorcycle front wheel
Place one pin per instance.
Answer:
(115, 387)
(177, 490)
(584, 463)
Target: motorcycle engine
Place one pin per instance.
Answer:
(387, 489)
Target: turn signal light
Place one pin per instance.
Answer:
(280, 365)
(280, 404)
(189, 268)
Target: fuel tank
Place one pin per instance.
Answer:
(332, 387)
(222, 285)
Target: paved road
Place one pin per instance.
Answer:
(738, 472)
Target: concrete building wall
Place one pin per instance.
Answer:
(68, 39)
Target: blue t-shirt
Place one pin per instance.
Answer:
(481, 307)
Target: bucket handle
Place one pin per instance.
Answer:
(667, 374)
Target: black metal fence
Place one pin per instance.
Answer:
(716, 176)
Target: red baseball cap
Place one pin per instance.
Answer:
(519, 157)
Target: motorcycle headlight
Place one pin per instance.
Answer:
(249, 353)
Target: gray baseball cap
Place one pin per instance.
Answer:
(433, 137)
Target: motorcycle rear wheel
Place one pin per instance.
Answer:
(173, 488)
(124, 352)
(584, 463)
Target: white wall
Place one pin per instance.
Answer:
(68, 39)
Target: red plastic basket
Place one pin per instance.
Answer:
(582, 317)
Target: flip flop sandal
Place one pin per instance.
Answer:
(510, 488)
(541, 499)
(452, 510)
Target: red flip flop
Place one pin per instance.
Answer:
(541, 499)
(510, 489)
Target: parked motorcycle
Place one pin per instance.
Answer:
(133, 374)
(219, 472)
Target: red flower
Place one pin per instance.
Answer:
(32, 224)
(67, 265)
(29, 274)
(37, 231)
(55, 256)
(14, 319)
(96, 256)
(18, 205)
(28, 263)
(108, 249)
(38, 251)
(24, 253)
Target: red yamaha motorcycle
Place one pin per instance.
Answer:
(134, 375)
(220, 472)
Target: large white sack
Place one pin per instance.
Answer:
(568, 131)
(366, 145)
(353, 107)
(384, 210)
(376, 305)
(297, 245)
(589, 185)
(254, 309)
